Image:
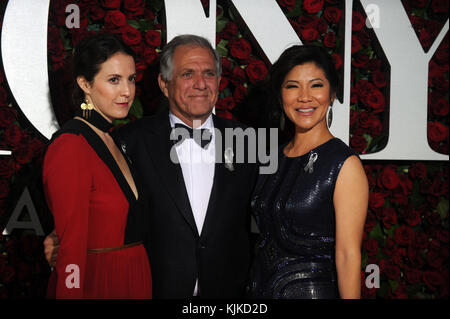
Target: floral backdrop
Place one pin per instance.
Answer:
(407, 230)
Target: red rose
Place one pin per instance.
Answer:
(356, 45)
(226, 65)
(358, 143)
(230, 30)
(115, 19)
(8, 274)
(375, 100)
(330, 40)
(332, 14)
(309, 35)
(239, 93)
(433, 279)
(421, 241)
(425, 38)
(140, 68)
(238, 76)
(96, 13)
(358, 21)
(443, 235)
(6, 169)
(322, 25)
(4, 188)
(379, 79)
(437, 132)
(223, 84)
(418, 3)
(134, 7)
(224, 114)
(23, 154)
(256, 71)
(365, 119)
(7, 114)
(13, 135)
(130, 35)
(337, 60)
(389, 177)
(413, 218)
(313, 6)
(111, 4)
(374, 64)
(287, 3)
(150, 55)
(392, 271)
(55, 46)
(153, 38)
(307, 22)
(439, 6)
(413, 276)
(371, 246)
(240, 49)
(418, 170)
(225, 104)
(371, 221)
(360, 60)
(440, 108)
(376, 200)
(404, 235)
(376, 127)
(364, 38)
(389, 217)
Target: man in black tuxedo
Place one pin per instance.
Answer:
(198, 241)
(199, 222)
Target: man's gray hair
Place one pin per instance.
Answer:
(166, 61)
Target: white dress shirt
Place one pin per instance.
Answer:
(197, 165)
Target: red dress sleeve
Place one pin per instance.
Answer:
(67, 183)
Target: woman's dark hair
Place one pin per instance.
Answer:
(291, 57)
(89, 54)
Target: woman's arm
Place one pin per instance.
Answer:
(67, 183)
(351, 197)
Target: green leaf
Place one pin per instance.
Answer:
(134, 24)
(156, 4)
(393, 284)
(442, 208)
(377, 232)
(145, 25)
(220, 24)
(296, 11)
(136, 109)
(221, 47)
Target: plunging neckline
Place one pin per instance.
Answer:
(106, 156)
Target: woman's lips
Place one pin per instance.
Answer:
(123, 104)
(306, 111)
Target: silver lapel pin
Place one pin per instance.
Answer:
(312, 159)
(229, 154)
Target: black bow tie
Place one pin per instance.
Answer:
(202, 136)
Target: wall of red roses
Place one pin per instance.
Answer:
(406, 232)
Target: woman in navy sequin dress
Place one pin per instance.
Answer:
(311, 212)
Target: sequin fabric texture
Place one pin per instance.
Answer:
(294, 211)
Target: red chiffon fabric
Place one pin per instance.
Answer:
(90, 212)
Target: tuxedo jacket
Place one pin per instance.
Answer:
(220, 256)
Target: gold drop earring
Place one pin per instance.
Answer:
(87, 108)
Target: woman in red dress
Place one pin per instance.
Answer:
(91, 187)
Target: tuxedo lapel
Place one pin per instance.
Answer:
(220, 176)
(159, 146)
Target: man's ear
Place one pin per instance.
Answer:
(84, 84)
(163, 85)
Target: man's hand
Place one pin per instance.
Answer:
(51, 246)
